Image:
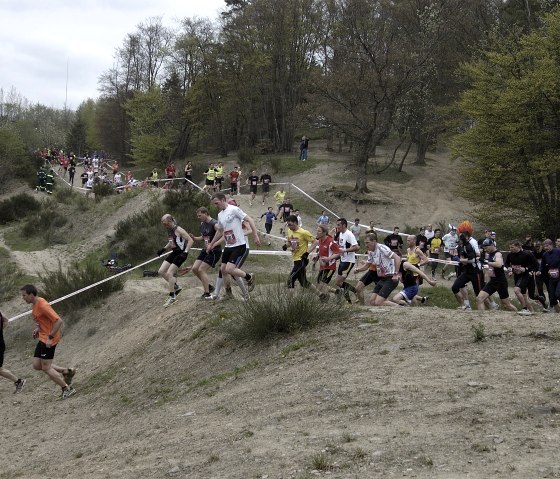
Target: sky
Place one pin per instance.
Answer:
(39, 38)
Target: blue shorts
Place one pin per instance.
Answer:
(410, 292)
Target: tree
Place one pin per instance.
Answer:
(513, 145)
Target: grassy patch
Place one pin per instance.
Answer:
(218, 378)
(18, 207)
(280, 311)
(297, 346)
(478, 332)
(60, 283)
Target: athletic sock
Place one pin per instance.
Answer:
(242, 286)
(219, 281)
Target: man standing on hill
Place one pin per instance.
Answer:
(48, 333)
(394, 241)
(19, 383)
(234, 180)
(230, 227)
(179, 242)
(303, 147)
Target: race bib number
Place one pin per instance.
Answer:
(381, 271)
(421, 244)
(435, 251)
(491, 273)
(518, 269)
(394, 243)
(554, 273)
(206, 241)
(453, 252)
(230, 237)
(294, 243)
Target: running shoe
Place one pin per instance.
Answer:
(67, 392)
(69, 375)
(206, 296)
(424, 299)
(347, 296)
(524, 312)
(170, 300)
(20, 383)
(178, 289)
(251, 282)
(465, 307)
(494, 306)
(324, 297)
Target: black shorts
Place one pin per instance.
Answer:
(219, 180)
(177, 257)
(325, 276)
(211, 258)
(232, 255)
(253, 189)
(344, 266)
(385, 287)
(209, 182)
(521, 281)
(268, 227)
(266, 187)
(233, 187)
(496, 285)
(369, 277)
(2, 350)
(42, 352)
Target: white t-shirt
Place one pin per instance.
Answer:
(450, 242)
(429, 234)
(346, 240)
(382, 256)
(231, 221)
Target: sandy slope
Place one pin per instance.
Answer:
(163, 393)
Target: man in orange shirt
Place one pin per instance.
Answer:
(48, 333)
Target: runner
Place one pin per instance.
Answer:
(210, 174)
(550, 268)
(348, 247)
(265, 180)
(188, 174)
(284, 210)
(369, 265)
(230, 219)
(206, 260)
(279, 197)
(323, 219)
(497, 281)
(522, 264)
(327, 255)
(429, 233)
(48, 333)
(19, 383)
(219, 176)
(269, 217)
(253, 182)
(387, 265)
(434, 246)
(469, 271)
(179, 242)
(301, 242)
(234, 180)
(394, 241)
(450, 243)
(356, 229)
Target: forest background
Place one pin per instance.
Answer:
(480, 77)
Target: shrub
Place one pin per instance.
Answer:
(17, 207)
(246, 156)
(9, 280)
(280, 311)
(101, 190)
(46, 224)
(60, 283)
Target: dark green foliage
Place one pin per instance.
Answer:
(18, 207)
(278, 311)
(138, 237)
(45, 224)
(101, 190)
(57, 284)
(246, 156)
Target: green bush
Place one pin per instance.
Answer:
(138, 237)
(279, 311)
(59, 283)
(102, 190)
(246, 156)
(46, 224)
(18, 207)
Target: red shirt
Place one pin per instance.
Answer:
(327, 247)
(170, 171)
(233, 177)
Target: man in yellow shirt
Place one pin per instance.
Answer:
(301, 242)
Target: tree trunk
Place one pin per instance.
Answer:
(361, 154)
(421, 149)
